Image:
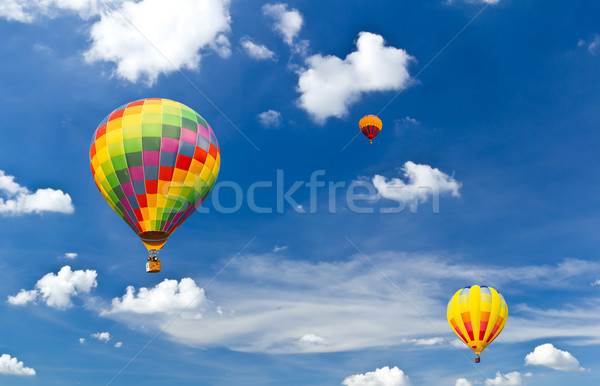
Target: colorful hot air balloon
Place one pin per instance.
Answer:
(370, 126)
(477, 315)
(154, 161)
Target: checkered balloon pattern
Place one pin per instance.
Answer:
(154, 161)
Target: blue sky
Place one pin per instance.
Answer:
(501, 126)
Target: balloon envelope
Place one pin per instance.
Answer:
(370, 126)
(477, 315)
(154, 161)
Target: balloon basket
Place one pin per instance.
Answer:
(477, 359)
(153, 263)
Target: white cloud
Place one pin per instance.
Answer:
(423, 182)
(27, 11)
(337, 299)
(178, 29)
(462, 382)
(277, 248)
(23, 297)
(82, 340)
(101, 336)
(19, 200)
(118, 344)
(288, 22)
(330, 85)
(592, 45)
(57, 290)
(549, 356)
(597, 282)
(9, 365)
(477, 1)
(380, 377)
(510, 379)
(313, 339)
(70, 255)
(257, 51)
(168, 297)
(270, 118)
(425, 342)
(137, 35)
(13, 10)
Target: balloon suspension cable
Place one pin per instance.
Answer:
(478, 359)
(153, 255)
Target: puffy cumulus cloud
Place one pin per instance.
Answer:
(270, 118)
(19, 200)
(288, 22)
(56, 290)
(380, 377)
(15, 10)
(330, 85)
(510, 379)
(422, 182)
(549, 356)
(150, 37)
(23, 297)
(101, 336)
(168, 297)
(12, 366)
(81, 340)
(257, 51)
(463, 382)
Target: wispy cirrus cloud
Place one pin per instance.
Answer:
(591, 44)
(324, 306)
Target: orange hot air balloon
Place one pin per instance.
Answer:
(370, 126)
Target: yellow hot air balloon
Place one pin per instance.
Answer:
(154, 161)
(477, 315)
